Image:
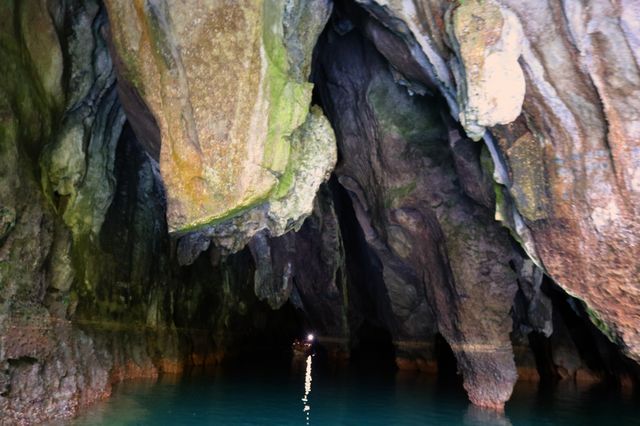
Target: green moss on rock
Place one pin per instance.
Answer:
(413, 118)
(227, 92)
(602, 325)
(398, 193)
(288, 99)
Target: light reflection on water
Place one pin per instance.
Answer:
(270, 395)
(307, 389)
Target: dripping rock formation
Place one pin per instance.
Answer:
(182, 182)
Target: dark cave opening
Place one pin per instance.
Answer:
(596, 351)
(448, 373)
(373, 348)
(272, 331)
(416, 234)
(370, 299)
(542, 351)
(577, 350)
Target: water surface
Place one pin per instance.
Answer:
(308, 393)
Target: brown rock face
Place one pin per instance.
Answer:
(571, 160)
(445, 261)
(227, 87)
(587, 135)
(402, 245)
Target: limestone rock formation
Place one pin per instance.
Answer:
(487, 40)
(90, 290)
(569, 161)
(445, 260)
(227, 87)
(315, 156)
(38, 346)
(308, 267)
(162, 203)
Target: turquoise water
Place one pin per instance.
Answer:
(308, 394)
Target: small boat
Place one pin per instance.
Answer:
(303, 347)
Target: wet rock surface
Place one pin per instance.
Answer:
(227, 88)
(92, 292)
(570, 157)
(172, 192)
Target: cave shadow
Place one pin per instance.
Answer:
(373, 349)
(447, 376)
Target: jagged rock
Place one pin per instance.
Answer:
(308, 268)
(321, 287)
(27, 111)
(218, 108)
(78, 164)
(228, 89)
(569, 161)
(90, 290)
(587, 239)
(315, 153)
(49, 367)
(565, 356)
(538, 311)
(274, 269)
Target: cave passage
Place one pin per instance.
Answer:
(444, 194)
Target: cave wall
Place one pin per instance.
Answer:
(556, 85)
(445, 261)
(152, 213)
(92, 290)
(228, 90)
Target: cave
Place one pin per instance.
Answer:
(419, 199)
